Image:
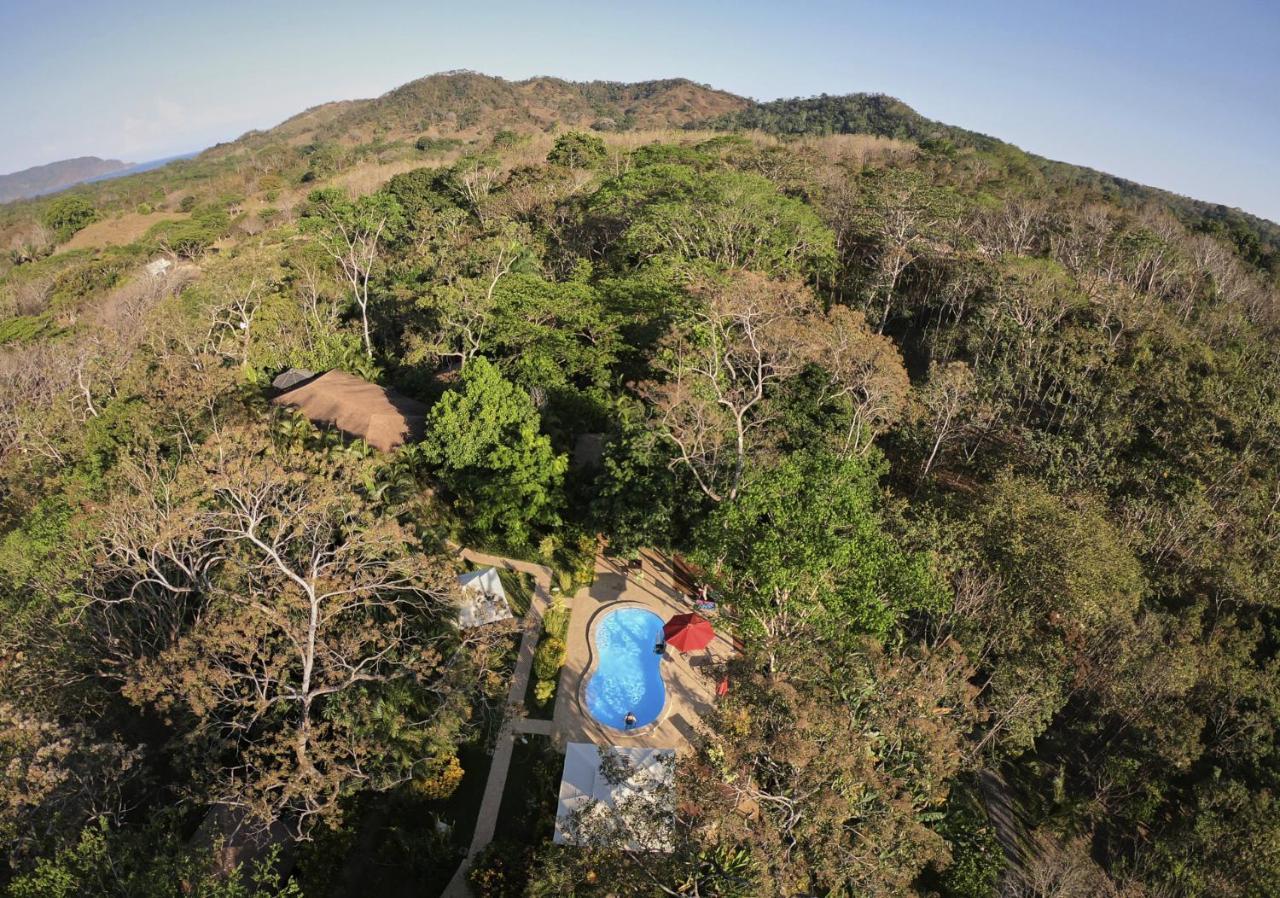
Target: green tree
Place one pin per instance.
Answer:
(151, 862)
(577, 149)
(1065, 590)
(679, 217)
(484, 440)
(68, 214)
(805, 540)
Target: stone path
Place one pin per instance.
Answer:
(690, 693)
(487, 817)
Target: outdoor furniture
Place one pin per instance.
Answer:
(688, 632)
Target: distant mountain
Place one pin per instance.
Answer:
(468, 102)
(55, 176)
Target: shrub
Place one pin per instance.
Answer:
(544, 691)
(549, 658)
(191, 237)
(437, 144)
(500, 871)
(440, 780)
(556, 621)
(187, 204)
(79, 282)
(547, 547)
(505, 138)
(577, 149)
(564, 580)
(69, 214)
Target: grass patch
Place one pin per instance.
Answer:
(519, 589)
(27, 328)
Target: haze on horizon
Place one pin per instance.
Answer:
(1176, 95)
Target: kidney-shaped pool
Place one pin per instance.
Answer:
(628, 673)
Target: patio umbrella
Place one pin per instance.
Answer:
(688, 632)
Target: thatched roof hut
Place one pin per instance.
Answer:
(381, 417)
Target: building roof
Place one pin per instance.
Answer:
(484, 601)
(630, 802)
(381, 417)
(287, 380)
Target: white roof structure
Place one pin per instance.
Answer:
(615, 793)
(484, 601)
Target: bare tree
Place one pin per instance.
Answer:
(266, 609)
(745, 337)
(472, 180)
(950, 409)
(351, 234)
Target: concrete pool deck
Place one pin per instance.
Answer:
(689, 681)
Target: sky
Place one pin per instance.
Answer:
(1184, 96)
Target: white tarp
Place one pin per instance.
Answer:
(484, 601)
(643, 792)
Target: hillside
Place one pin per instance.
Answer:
(54, 176)
(940, 483)
(470, 102)
(888, 117)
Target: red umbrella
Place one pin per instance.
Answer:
(688, 632)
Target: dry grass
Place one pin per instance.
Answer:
(861, 149)
(366, 177)
(118, 231)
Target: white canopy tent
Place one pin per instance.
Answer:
(484, 601)
(638, 785)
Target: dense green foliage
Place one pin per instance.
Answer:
(484, 442)
(69, 214)
(979, 453)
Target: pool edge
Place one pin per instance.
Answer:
(584, 712)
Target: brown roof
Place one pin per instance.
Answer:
(382, 418)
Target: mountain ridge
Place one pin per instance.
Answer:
(54, 176)
(468, 105)
(462, 99)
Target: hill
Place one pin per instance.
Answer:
(887, 116)
(976, 453)
(455, 102)
(55, 176)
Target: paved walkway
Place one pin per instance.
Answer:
(690, 688)
(487, 816)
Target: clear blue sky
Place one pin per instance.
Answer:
(1184, 96)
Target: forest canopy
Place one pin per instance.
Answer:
(978, 455)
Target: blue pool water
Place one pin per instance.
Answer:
(628, 674)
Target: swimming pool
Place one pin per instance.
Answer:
(628, 673)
